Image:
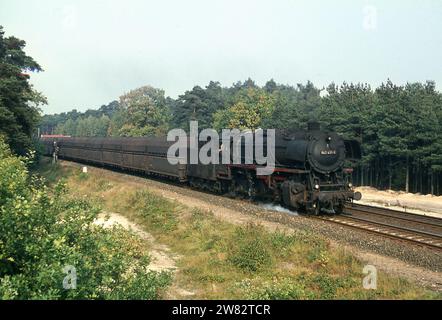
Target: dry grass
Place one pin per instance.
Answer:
(222, 261)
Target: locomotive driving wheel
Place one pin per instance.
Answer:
(313, 209)
(339, 208)
(316, 208)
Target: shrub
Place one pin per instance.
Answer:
(281, 289)
(248, 251)
(159, 212)
(43, 231)
(82, 176)
(328, 286)
(318, 254)
(282, 243)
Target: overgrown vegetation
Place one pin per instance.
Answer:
(220, 260)
(44, 230)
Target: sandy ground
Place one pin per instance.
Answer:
(399, 200)
(162, 259)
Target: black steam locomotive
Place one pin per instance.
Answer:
(310, 173)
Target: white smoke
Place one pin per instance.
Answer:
(278, 208)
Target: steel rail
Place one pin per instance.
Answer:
(395, 232)
(396, 214)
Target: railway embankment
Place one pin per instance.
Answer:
(233, 248)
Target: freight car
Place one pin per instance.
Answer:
(309, 176)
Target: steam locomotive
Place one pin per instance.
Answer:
(311, 172)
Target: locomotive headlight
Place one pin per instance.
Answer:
(350, 185)
(316, 186)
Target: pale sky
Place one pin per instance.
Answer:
(93, 51)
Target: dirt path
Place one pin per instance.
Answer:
(162, 258)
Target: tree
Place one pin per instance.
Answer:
(70, 128)
(249, 110)
(116, 123)
(349, 110)
(394, 123)
(270, 86)
(82, 128)
(294, 107)
(19, 102)
(146, 112)
(198, 104)
(109, 109)
(102, 126)
(424, 103)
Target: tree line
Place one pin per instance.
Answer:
(399, 126)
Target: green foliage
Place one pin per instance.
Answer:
(106, 121)
(294, 106)
(250, 107)
(42, 231)
(399, 127)
(249, 251)
(85, 127)
(198, 104)
(146, 112)
(328, 287)
(317, 286)
(278, 289)
(281, 243)
(157, 211)
(19, 102)
(116, 123)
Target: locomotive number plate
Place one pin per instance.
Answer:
(327, 152)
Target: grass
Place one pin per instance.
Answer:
(221, 260)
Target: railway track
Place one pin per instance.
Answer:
(413, 228)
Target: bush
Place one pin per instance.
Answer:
(328, 286)
(42, 232)
(282, 289)
(159, 212)
(248, 250)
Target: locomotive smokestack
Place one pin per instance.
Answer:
(313, 125)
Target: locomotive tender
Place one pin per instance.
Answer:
(309, 173)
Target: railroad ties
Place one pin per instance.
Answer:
(415, 228)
